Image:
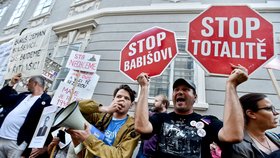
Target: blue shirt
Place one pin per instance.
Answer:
(112, 130)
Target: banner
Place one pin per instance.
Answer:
(29, 53)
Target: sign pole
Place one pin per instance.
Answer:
(75, 85)
(274, 81)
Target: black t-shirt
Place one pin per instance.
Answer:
(185, 135)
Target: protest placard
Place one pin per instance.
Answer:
(43, 127)
(5, 50)
(29, 53)
(85, 80)
(51, 69)
(83, 61)
(66, 93)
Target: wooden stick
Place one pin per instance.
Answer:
(53, 150)
(75, 85)
(274, 81)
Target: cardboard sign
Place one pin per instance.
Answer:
(86, 80)
(29, 53)
(5, 51)
(64, 94)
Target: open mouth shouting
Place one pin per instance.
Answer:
(180, 100)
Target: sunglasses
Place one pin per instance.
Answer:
(269, 108)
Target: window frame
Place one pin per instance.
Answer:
(11, 22)
(43, 14)
(3, 11)
(72, 39)
(81, 2)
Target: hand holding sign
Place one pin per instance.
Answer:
(15, 79)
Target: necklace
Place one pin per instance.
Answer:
(256, 140)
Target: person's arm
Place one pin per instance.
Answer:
(92, 110)
(98, 148)
(8, 94)
(37, 152)
(232, 130)
(142, 123)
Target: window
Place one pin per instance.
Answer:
(43, 7)
(2, 12)
(74, 40)
(80, 6)
(183, 66)
(81, 1)
(18, 12)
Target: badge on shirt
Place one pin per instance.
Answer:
(193, 123)
(201, 132)
(199, 125)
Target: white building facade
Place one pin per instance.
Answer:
(104, 27)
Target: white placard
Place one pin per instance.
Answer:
(86, 80)
(5, 51)
(43, 128)
(62, 94)
(83, 61)
(29, 53)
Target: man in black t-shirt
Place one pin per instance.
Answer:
(184, 133)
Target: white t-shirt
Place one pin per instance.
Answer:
(15, 119)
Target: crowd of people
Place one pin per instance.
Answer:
(111, 132)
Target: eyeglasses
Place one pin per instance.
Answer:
(269, 108)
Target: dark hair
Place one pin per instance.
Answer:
(38, 79)
(249, 101)
(131, 92)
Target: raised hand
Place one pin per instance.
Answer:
(15, 79)
(238, 75)
(143, 79)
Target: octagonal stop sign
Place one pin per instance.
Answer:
(149, 51)
(224, 35)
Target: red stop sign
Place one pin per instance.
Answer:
(149, 51)
(230, 34)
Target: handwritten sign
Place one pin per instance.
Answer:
(86, 80)
(29, 53)
(83, 61)
(5, 50)
(62, 94)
